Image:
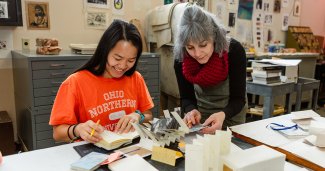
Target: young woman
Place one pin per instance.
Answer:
(210, 70)
(107, 90)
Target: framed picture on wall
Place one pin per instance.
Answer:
(296, 9)
(37, 14)
(96, 20)
(98, 3)
(10, 13)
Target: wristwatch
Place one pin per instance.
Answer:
(141, 116)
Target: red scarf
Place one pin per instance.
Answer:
(209, 74)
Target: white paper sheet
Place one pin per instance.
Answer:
(283, 62)
(258, 131)
(306, 151)
(132, 163)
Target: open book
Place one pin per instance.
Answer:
(112, 140)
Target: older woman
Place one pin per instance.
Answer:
(211, 71)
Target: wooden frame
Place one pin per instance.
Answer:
(37, 15)
(10, 13)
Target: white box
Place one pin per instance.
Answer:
(289, 74)
(254, 159)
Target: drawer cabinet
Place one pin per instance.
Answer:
(37, 79)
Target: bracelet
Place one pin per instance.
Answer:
(74, 134)
(141, 116)
(69, 132)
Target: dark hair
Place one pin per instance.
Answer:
(118, 30)
(41, 9)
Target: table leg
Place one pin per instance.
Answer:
(289, 103)
(268, 107)
(315, 98)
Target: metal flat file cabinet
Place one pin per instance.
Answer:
(37, 79)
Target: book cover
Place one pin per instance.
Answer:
(112, 140)
(89, 162)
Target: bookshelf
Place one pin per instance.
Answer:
(302, 39)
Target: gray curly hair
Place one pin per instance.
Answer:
(198, 25)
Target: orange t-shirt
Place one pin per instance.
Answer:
(84, 96)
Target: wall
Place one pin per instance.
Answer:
(67, 25)
(67, 21)
(243, 29)
(7, 101)
(313, 15)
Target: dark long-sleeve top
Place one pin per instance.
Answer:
(237, 82)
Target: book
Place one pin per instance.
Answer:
(268, 80)
(89, 162)
(266, 74)
(112, 140)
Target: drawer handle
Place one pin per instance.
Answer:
(57, 65)
(142, 70)
(153, 98)
(54, 91)
(143, 61)
(56, 74)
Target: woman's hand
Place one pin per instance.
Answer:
(192, 118)
(84, 131)
(124, 124)
(213, 123)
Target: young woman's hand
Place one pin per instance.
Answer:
(192, 118)
(124, 124)
(213, 123)
(84, 131)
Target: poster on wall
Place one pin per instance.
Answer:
(244, 31)
(232, 19)
(268, 19)
(285, 22)
(258, 35)
(37, 14)
(118, 7)
(266, 7)
(3, 9)
(97, 3)
(259, 5)
(268, 35)
(96, 20)
(221, 10)
(285, 3)
(296, 8)
(245, 9)
(277, 6)
(233, 5)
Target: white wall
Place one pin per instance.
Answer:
(67, 21)
(7, 101)
(313, 15)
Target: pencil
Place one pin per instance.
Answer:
(93, 130)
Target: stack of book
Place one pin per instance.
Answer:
(266, 73)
